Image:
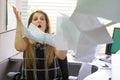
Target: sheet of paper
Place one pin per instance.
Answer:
(85, 50)
(116, 66)
(98, 36)
(67, 35)
(26, 33)
(92, 28)
(85, 22)
(108, 9)
(61, 42)
(88, 41)
(84, 71)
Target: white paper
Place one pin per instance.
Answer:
(37, 33)
(26, 33)
(84, 71)
(67, 35)
(115, 66)
(92, 28)
(85, 50)
(108, 9)
(98, 36)
(88, 41)
(85, 22)
(61, 42)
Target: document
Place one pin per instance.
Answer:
(85, 22)
(85, 50)
(98, 36)
(67, 34)
(91, 27)
(108, 9)
(84, 71)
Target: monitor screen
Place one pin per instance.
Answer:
(115, 46)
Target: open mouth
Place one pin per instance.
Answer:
(39, 26)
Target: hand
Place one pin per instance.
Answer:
(17, 14)
(19, 21)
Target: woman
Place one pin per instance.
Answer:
(40, 60)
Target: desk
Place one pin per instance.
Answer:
(104, 71)
(84, 69)
(101, 74)
(17, 57)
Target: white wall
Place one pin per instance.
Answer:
(7, 45)
(2, 15)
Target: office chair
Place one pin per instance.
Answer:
(14, 75)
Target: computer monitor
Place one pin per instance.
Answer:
(115, 46)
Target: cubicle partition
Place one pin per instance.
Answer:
(7, 50)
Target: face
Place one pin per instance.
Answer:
(39, 20)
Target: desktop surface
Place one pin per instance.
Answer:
(104, 70)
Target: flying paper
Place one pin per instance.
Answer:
(67, 35)
(85, 50)
(85, 22)
(92, 28)
(98, 36)
(108, 9)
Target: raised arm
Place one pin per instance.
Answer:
(20, 42)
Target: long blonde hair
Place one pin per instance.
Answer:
(30, 53)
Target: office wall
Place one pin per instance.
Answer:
(2, 15)
(8, 66)
(6, 51)
(7, 45)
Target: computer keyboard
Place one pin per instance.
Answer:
(106, 59)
